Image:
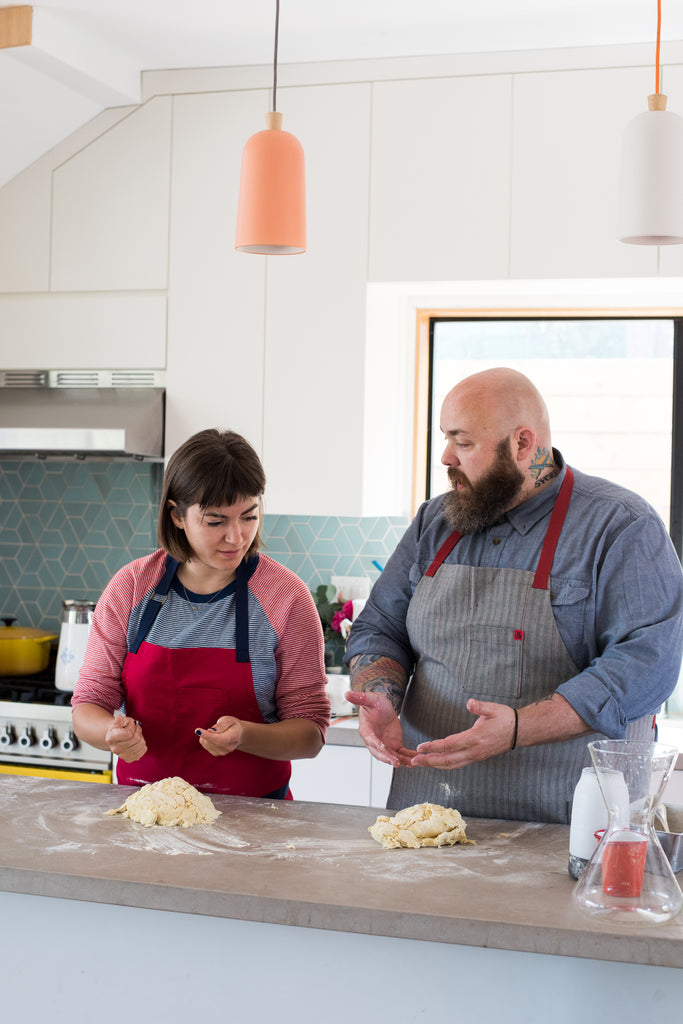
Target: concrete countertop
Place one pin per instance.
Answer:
(312, 865)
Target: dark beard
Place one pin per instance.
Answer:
(485, 502)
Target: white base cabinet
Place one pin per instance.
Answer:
(342, 775)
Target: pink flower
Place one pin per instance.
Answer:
(337, 621)
(338, 617)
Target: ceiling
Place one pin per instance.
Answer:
(86, 55)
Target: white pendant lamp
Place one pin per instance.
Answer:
(271, 214)
(651, 188)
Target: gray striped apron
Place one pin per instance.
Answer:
(490, 633)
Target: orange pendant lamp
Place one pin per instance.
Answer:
(651, 186)
(271, 215)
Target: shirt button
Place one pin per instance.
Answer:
(496, 540)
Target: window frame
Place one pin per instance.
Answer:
(425, 319)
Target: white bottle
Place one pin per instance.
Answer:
(589, 815)
(73, 640)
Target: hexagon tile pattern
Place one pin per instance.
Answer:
(66, 527)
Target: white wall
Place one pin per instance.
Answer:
(456, 179)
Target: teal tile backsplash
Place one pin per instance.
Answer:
(66, 527)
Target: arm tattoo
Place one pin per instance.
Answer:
(378, 674)
(544, 700)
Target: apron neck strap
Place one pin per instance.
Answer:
(443, 552)
(552, 535)
(244, 571)
(155, 602)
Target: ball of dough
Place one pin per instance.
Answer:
(420, 825)
(170, 801)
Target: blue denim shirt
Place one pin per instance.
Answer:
(616, 591)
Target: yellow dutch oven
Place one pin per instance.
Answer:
(23, 650)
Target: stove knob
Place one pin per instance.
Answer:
(49, 739)
(7, 736)
(27, 738)
(69, 743)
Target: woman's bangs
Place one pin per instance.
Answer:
(227, 488)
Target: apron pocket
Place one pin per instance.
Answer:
(493, 663)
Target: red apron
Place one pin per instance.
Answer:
(173, 691)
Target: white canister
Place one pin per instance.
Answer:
(589, 815)
(337, 685)
(73, 639)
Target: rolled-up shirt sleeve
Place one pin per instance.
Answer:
(635, 658)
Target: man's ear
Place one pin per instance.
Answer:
(523, 443)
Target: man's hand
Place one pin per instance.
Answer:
(548, 720)
(491, 734)
(379, 728)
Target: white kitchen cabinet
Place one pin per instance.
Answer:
(216, 295)
(565, 174)
(269, 346)
(111, 207)
(380, 781)
(26, 217)
(56, 332)
(440, 179)
(24, 242)
(341, 775)
(315, 314)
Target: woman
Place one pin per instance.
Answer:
(213, 651)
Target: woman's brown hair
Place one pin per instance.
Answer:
(212, 469)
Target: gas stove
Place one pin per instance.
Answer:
(36, 689)
(36, 732)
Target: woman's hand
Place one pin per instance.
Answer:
(379, 727)
(224, 737)
(125, 739)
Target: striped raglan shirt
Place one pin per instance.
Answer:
(285, 637)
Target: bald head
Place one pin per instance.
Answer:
(494, 406)
(506, 400)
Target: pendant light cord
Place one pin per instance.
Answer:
(659, 34)
(277, 30)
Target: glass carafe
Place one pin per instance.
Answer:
(629, 878)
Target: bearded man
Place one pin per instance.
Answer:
(526, 612)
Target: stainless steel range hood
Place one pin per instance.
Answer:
(79, 414)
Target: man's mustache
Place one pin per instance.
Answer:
(456, 476)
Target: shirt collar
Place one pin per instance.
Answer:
(525, 516)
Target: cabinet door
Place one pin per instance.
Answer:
(380, 781)
(315, 314)
(80, 332)
(440, 179)
(215, 330)
(338, 775)
(569, 128)
(111, 207)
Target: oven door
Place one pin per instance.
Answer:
(38, 739)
